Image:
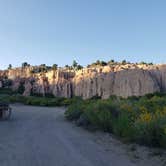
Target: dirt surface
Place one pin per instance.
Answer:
(40, 136)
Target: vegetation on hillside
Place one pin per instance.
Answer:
(9, 96)
(114, 63)
(76, 66)
(141, 120)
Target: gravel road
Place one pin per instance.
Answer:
(40, 136)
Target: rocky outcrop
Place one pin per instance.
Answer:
(120, 80)
(28, 88)
(134, 82)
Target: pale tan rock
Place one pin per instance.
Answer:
(28, 88)
(16, 84)
(135, 82)
(120, 80)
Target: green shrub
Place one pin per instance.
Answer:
(43, 102)
(17, 99)
(37, 101)
(66, 102)
(151, 129)
(138, 119)
(52, 102)
(6, 91)
(100, 116)
(74, 111)
(123, 127)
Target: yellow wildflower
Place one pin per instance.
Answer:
(146, 117)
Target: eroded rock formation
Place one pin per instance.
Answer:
(120, 80)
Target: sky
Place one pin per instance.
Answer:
(60, 31)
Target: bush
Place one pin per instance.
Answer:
(36, 101)
(151, 128)
(74, 111)
(7, 91)
(17, 99)
(138, 119)
(100, 115)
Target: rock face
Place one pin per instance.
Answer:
(120, 80)
(135, 82)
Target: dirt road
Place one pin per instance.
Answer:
(40, 136)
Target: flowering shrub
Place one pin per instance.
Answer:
(142, 120)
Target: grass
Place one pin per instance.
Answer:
(6, 91)
(36, 101)
(7, 95)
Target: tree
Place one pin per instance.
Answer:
(124, 62)
(43, 68)
(112, 61)
(150, 63)
(74, 64)
(10, 67)
(25, 64)
(43, 65)
(103, 63)
(79, 67)
(66, 66)
(143, 63)
(98, 62)
(54, 66)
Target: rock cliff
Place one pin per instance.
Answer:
(120, 80)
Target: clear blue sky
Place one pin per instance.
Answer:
(58, 31)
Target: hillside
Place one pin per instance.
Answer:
(124, 80)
